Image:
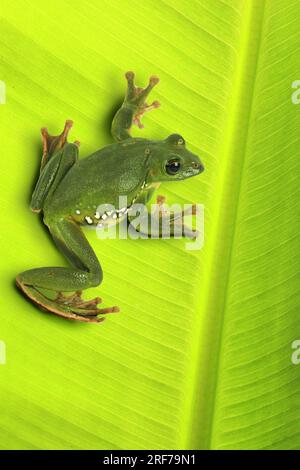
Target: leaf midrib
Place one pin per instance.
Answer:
(206, 362)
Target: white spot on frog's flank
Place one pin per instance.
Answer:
(89, 220)
(104, 216)
(114, 216)
(109, 213)
(97, 215)
(121, 212)
(77, 212)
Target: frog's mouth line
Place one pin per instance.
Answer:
(192, 172)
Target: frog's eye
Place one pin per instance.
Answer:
(175, 139)
(173, 166)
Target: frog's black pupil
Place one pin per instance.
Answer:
(172, 167)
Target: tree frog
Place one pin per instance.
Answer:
(69, 190)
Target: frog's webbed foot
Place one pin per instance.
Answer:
(164, 222)
(142, 110)
(71, 307)
(177, 218)
(53, 143)
(84, 307)
(137, 96)
(133, 107)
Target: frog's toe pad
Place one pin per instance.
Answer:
(160, 200)
(129, 76)
(136, 91)
(52, 143)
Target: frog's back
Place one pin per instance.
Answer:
(117, 169)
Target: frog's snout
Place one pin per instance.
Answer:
(198, 166)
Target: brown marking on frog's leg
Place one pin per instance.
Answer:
(70, 307)
(47, 305)
(84, 307)
(191, 210)
(177, 218)
(52, 143)
(142, 93)
(138, 93)
(160, 200)
(142, 110)
(187, 231)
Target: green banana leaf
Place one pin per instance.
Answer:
(200, 355)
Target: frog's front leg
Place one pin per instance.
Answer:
(86, 272)
(133, 107)
(162, 223)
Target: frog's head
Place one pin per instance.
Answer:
(171, 161)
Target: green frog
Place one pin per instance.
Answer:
(69, 191)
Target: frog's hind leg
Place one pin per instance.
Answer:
(53, 143)
(52, 174)
(86, 272)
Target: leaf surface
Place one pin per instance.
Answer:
(200, 356)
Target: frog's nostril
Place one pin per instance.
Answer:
(198, 166)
